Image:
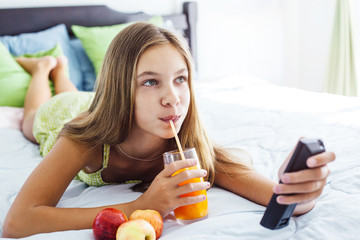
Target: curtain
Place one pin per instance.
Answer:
(341, 73)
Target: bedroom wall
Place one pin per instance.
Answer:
(240, 37)
(286, 42)
(315, 25)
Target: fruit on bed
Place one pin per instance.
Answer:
(106, 223)
(136, 229)
(152, 216)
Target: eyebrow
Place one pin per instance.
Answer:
(157, 74)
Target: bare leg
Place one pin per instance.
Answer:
(38, 91)
(61, 82)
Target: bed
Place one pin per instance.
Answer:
(243, 112)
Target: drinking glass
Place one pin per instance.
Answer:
(192, 212)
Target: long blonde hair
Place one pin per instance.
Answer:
(111, 114)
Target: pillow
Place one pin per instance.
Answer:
(14, 80)
(96, 40)
(86, 67)
(43, 40)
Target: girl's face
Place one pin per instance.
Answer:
(162, 91)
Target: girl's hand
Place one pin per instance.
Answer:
(305, 185)
(164, 193)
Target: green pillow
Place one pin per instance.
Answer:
(96, 40)
(14, 80)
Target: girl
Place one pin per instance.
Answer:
(145, 81)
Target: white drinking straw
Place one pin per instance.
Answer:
(177, 140)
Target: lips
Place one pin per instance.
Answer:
(167, 119)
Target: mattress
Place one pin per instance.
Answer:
(244, 112)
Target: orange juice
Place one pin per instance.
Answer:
(192, 212)
(196, 210)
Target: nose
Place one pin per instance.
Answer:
(170, 96)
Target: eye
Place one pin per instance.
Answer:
(151, 82)
(180, 79)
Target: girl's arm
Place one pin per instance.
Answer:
(306, 185)
(34, 209)
(246, 183)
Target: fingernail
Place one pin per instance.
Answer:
(280, 199)
(312, 162)
(207, 184)
(285, 178)
(277, 189)
(203, 172)
(203, 197)
(194, 161)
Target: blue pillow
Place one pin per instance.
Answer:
(87, 69)
(43, 40)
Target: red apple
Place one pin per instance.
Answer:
(106, 223)
(152, 216)
(137, 229)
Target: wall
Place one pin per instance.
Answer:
(284, 41)
(240, 37)
(316, 19)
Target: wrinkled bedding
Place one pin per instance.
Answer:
(243, 112)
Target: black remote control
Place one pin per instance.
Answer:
(278, 215)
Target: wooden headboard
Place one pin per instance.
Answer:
(14, 21)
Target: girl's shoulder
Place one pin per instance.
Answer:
(80, 154)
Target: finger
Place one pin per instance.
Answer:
(320, 159)
(298, 198)
(189, 174)
(176, 165)
(306, 175)
(191, 200)
(307, 187)
(192, 187)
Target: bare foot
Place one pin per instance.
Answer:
(59, 77)
(37, 65)
(59, 71)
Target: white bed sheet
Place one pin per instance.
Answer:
(246, 112)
